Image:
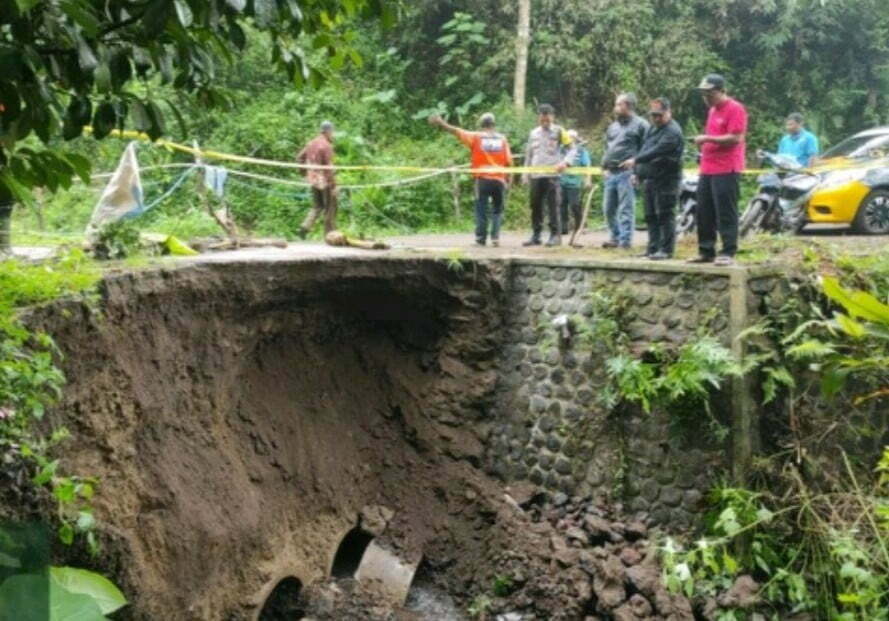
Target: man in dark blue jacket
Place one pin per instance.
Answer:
(658, 167)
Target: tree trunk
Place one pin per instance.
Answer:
(5, 221)
(523, 40)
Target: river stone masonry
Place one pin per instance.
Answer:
(551, 427)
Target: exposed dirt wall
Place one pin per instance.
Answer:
(240, 416)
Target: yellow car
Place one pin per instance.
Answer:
(853, 184)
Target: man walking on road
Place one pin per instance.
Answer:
(623, 139)
(574, 184)
(658, 166)
(489, 149)
(319, 151)
(545, 149)
(723, 156)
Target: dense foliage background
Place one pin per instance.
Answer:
(826, 58)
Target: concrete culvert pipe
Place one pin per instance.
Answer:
(349, 553)
(283, 603)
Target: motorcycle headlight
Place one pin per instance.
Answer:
(841, 177)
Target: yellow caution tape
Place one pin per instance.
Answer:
(517, 170)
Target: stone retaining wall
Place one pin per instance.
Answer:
(551, 427)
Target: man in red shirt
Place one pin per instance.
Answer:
(489, 149)
(319, 151)
(723, 157)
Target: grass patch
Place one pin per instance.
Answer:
(25, 284)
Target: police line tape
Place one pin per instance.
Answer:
(596, 171)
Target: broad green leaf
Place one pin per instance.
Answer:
(811, 349)
(27, 595)
(46, 473)
(81, 14)
(141, 117)
(66, 534)
(96, 586)
(9, 561)
(85, 56)
(26, 5)
(64, 491)
(850, 326)
(183, 13)
(859, 304)
(67, 606)
(832, 381)
(104, 119)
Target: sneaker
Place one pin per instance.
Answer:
(659, 256)
(534, 241)
(624, 246)
(480, 242)
(609, 244)
(724, 260)
(495, 243)
(701, 259)
(554, 240)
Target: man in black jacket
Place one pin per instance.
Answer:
(658, 166)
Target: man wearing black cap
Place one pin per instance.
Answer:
(723, 158)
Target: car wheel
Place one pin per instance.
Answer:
(873, 214)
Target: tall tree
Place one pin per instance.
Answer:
(523, 41)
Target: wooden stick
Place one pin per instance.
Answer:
(586, 210)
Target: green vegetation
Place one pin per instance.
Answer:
(503, 586)
(814, 533)
(827, 59)
(823, 553)
(60, 594)
(678, 380)
(30, 381)
(74, 64)
(479, 607)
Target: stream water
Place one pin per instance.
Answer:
(433, 604)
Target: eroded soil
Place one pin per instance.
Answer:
(240, 416)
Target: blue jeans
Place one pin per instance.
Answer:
(488, 190)
(620, 207)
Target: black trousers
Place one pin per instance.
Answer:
(570, 202)
(718, 210)
(488, 191)
(545, 190)
(661, 198)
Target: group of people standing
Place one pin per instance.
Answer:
(639, 154)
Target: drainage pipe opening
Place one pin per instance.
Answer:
(349, 553)
(283, 603)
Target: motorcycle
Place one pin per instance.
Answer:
(776, 207)
(686, 216)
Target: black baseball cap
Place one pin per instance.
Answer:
(712, 82)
